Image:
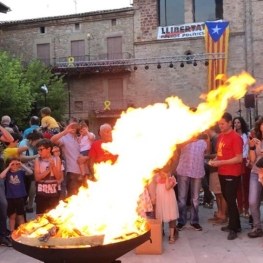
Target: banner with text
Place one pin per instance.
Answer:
(181, 31)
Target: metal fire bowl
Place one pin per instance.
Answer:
(97, 254)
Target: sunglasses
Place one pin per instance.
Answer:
(41, 149)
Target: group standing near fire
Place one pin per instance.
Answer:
(62, 160)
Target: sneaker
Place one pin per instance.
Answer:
(256, 232)
(196, 227)
(232, 235)
(5, 241)
(226, 229)
(180, 226)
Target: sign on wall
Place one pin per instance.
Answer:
(181, 31)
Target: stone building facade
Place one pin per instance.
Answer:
(114, 35)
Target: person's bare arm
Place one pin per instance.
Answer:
(27, 170)
(22, 149)
(90, 135)
(38, 175)
(91, 165)
(26, 158)
(237, 159)
(56, 167)
(6, 136)
(55, 138)
(3, 174)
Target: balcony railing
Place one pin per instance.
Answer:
(109, 105)
(90, 60)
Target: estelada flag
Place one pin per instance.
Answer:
(216, 41)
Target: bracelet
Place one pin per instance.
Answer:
(252, 148)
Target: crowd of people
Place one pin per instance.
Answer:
(48, 163)
(233, 156)
(44, 164)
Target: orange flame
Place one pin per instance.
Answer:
(144, 139)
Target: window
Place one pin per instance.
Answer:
(171, 12)
(78, 106)
(188, 54)
(77, 26)
(204, 10)
(78, 50)
(113, 22)
(42, 30)
(114, 47)
(115, 93)
(43, 53)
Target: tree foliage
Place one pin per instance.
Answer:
(20, 87)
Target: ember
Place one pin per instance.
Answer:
(105, 213)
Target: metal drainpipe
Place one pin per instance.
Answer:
(251, 29)
(245, 48)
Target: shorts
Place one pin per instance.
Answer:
(45, 203)
(214, 183)
(15, 206)
(53, 131)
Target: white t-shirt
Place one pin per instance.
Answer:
(85, 143)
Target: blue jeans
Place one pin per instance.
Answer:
(255, 188)
(3, 209)
(184, 182)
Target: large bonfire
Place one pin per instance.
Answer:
(144, 139)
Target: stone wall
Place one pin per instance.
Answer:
(189, 82)
(138, 26)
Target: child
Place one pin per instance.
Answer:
(48, 173)
(166, 204)
(12, 148)
(48, 122)
(15, 190)
(85, 140)
(56, 151)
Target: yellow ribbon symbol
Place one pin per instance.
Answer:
(71, 61)
(107, 105)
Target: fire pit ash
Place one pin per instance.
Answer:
(96, 254)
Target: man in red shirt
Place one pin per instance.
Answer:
(97, 154)
(229, 162)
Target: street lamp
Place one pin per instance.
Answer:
(89, 37)
(45, 90)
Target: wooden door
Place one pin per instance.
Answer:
(43, 53)
(78, 50)
(115, 93)
(114, 47)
